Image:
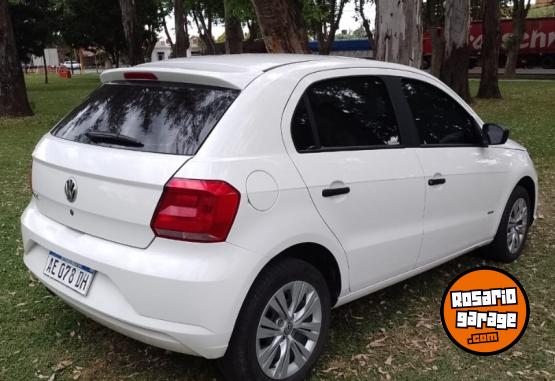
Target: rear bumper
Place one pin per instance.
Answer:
(180, 296)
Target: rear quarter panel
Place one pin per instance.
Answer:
(248, 139)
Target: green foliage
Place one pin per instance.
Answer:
(35, 24)
(542, 11)
(213, 9)
(242, 9)
(98, 23)
(93, 23)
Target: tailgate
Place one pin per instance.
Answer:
(116, 190)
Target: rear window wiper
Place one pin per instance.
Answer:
(114, 138)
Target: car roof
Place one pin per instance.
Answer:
(235, 70)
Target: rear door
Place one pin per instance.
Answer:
(464, 178)
(344, 138)
(102, 169)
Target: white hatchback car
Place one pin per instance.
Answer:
(221, 206)
(71, 65)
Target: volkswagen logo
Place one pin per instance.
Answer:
(71, 189)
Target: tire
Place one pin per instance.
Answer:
(548, 62)
(504, 249)
(241, 361)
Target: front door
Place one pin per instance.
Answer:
(463, 176)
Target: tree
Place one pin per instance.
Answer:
(34, 24)
(399, 31)
(359, 9)
(253, 28)
(489, 86)
(181, 32)
(520, 11)
(323, 17)
(205, 13)
(13, 95)
(282, 25)
(454, 70)
(433, 20)
(233, 29)
(97, 23)
(133, 31)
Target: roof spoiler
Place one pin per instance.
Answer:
(236, 81)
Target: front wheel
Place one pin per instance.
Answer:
(282, 327)
(513, 228)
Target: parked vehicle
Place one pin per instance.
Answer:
(220, 206)
(72, 65)
(537, 47)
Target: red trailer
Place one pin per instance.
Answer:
(537, 47)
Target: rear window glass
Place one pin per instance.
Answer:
(158, 117)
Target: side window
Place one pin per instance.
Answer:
(439, 119)
(301, 130)
(349, 112)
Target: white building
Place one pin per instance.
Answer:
(51, 55)
(162, 51)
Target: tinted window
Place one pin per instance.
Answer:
(301, 129)
(163, 117)
(348, 112)
(438, 117)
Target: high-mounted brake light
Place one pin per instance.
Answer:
(143, 75)
(196, 210)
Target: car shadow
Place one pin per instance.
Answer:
(352, 326)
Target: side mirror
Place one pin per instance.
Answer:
(495, 134)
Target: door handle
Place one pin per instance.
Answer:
(330, 192)
(439, 181)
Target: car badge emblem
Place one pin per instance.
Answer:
(70, 189)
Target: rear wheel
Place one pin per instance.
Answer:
(513, 228)
(282, 326)
(548, 62)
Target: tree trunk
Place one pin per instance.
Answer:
(181, 38)
(454, 71)
(233, 31)
(167, 33)
(133, 32)
(282, 25)
(489, 86)
(45, 68)
(81, 60)
(324, 47)
(205, 30)
(369, 34)
(254, 31)
(399, 31)
(520, 11)
(366, 26)
(326, 29)
(13, 95)
(438, 49)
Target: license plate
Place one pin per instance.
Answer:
(69, 273)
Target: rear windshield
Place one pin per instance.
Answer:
(160, 117)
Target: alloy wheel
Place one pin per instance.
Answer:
(288, 330)
(517, 225)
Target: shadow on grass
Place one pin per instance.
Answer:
(351, 327)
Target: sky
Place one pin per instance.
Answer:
(347, 22)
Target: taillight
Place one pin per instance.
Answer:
(144, 75)
(196, 210)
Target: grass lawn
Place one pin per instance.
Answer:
(395, 333)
